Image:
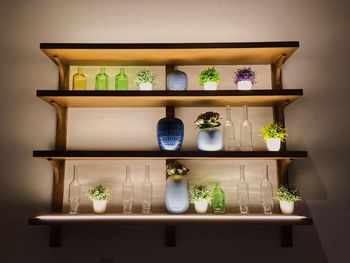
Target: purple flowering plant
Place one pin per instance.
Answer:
(208, 120)
(245, 74)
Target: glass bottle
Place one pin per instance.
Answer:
(146, 192)
(218, 200)
(101, 80)
(243, 192)
(79, 80)
(74, 192)
(229, 131)
(127, 193)
(266, 193)
(245, 132)
(121, 80)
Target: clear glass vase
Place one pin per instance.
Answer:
(229, 131)
(218, 200)
(101, 80)
(266, 193)
(74, 192)
(243, 192)
(245, 132)
(79, 80)
(121, 80)
(146, 193)
(127, 193)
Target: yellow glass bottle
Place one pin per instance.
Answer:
(79, 80)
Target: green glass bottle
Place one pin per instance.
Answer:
(121, 80)
(79, 80)
(101, 80)
(218, 200)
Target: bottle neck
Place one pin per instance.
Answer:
(147, 172)
(127, 177)
(228, 113)
(102, 71)
(122, 71)
(266, 177)
(75, 173)
(241, 168)
(245, 112)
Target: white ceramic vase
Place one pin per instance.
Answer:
(287, 207)
(244, 85)
(210, 85)
(146, 86)
(201, 206)
(100, 206)
(273, 144)
(210, 140)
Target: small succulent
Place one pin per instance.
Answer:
(99, 192)
(273, 130)
(209, 74)
(289, 194)
(176, 168)
(200, 192)
(208, 120)
(145, 76)
(245, 74)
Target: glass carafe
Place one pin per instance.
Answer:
(245, 132)
(243, 192)
(218, 200)
(74, 192)
(121, 80)
(127, 193)
(146, 193)
(229, 131)
(79, 80)
(266, 193)
(101, 80)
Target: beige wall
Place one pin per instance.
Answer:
(317, 123)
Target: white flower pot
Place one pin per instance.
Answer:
(201, 206)
(287, 207)
(100, 206)
(210, 140)
(146, 86)
(210, 85)
(244, 85)
(273, 144)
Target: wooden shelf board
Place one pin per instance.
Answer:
(170, 53)
(163, 155)
(193, 98)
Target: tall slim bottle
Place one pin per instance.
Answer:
(229, 131)
(146, 193)
(127, 193)
(266, 193)
(245, 132)
(243, 192)
(101, 80)
(79, 80)
(121, 80)
(218, 200)
(74, 192)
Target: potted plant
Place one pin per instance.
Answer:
(273, 134)
(100, 196)
(209, 78)
(209, 137)
(201, 196)
(145, 79)
(245, 78)
(287, 196)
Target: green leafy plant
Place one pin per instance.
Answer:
(208, 120)
(200, 192)
(176, 169)
(99, 192)
(273, 130)
(289, 194)
(209, 74)
(145, 76)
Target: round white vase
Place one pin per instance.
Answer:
(201, 206)
(210, 140)
(273, 144)
(100, 206)
(210, 85)
(244, 85)
(146, 86)
(287, 207)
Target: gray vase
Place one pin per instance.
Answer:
(176, 80)
(176, 195)
(210, 140)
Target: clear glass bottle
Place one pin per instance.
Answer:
(243, 192)
(245, 132)
(74, 193)
(79, 80)
(127, 193)
(121, 80)
(229, 131)
(101, 80)
(218, 200)
(266, 193)
(146, 193)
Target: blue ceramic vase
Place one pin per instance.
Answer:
(210, 140)
(176, 195)
(170, 134)
(176, 80)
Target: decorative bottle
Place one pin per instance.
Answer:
(146, 193)
(266, 193)
(243, 192)
(245, 132)
(121, 80)
(127, 193)
(218, 200)
(229, 131)
(79, 80)
(101, 80)
(74, 192)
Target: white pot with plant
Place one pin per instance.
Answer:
(287, 196)
(245, 78)
(209, 136)
(201, 196)
(100, 196)
(145, 79)
(209, 78)
(273, 133)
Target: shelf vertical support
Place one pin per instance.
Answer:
(170, 236)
